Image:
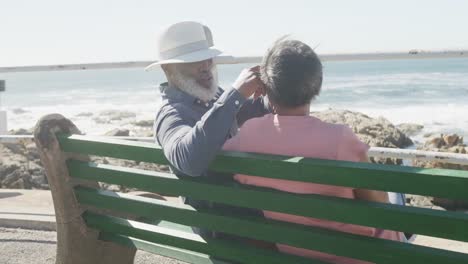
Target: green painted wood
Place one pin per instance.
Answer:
(451, 225)
(166, 224)
(436, 182)
(115, 148)
(171, 252)
(332, 242)
(217, 248)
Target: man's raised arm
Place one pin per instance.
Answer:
(189, 149)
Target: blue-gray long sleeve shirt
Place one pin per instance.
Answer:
(192, 132)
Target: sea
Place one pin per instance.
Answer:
(430, 92)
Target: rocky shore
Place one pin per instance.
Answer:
(376, 132)
(20, 167)
(451, 144)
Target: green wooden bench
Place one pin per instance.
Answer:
(98, 226)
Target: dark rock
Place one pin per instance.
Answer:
(118, 132)
(84, 114)
(19, 111)
(117, 115)
(143, 133)
(448, 204)
(410, 129)
(31, 151)
(18, 184)
(21, 131)
(451, 144)
(14, 147)
(7, 170)
(17, 179)
(101, 120)
(144, 123)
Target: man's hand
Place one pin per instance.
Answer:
(248, 83)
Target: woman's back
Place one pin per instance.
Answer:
(304, 136)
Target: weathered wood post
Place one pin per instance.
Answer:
(3, 114)
(76, 243)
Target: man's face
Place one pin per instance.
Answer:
(199, 79)
(201, 72)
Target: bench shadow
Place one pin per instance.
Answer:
(28, 241)
(9, 194)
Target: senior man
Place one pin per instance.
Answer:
(196, 116)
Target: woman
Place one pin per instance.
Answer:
(292, 74)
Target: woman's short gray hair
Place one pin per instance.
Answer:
(291, 72)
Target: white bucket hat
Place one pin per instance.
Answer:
(185, 42)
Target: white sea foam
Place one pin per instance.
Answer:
(143, 106)
(442, 118)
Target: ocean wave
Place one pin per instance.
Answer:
(436, 80)
(441, 118)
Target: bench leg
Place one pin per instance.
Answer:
(76, 243)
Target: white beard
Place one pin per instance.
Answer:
(190, 85)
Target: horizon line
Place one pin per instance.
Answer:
(224, 59)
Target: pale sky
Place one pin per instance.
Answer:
(58, 31)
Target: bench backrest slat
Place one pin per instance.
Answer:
(350, 174)
(436, 223)
(433, 182)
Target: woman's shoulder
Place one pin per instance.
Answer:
(257, 121)
(250, 131)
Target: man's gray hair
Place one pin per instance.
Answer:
(291, 72)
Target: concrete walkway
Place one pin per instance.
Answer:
(30, 209)
(33, 209)
(27, 230)
(22, 246)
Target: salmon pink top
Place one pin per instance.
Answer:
(305, 136)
